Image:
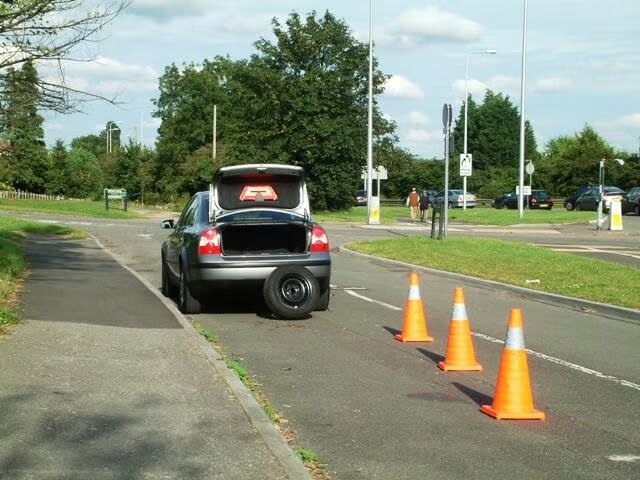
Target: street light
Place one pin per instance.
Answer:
(601, 190)
(466, 101)
(522, 117)
(109, 137)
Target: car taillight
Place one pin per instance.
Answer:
(534, 199)
(319, 240)
(209, 243)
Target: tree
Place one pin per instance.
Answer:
(21, 129)
(305, 100)
(85, 175)
(493, 138)
(57, 176)
(571, 161)
(46, 31)
(300, 100)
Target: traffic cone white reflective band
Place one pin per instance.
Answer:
(515, 339)
(459, 312)
(414, 293)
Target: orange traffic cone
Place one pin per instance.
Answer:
(459, 354)
(414, 325)
(512, 399)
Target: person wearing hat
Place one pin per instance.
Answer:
(413, 202)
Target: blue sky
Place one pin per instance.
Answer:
(583, 61)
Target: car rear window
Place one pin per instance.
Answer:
(265, 190)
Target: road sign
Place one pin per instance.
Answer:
(446, 115)
(465, 164)
(529, 168)
(117, 193)
(526, 190)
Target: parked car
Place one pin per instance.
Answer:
(360, 198)
(539, 199)
(570, 201)
(589, 200)
(456, 199)
(631, 201)
(251, 228)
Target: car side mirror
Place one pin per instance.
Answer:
(168, 224)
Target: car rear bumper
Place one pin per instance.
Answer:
(239, 274)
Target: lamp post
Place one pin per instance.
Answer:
(109, 137)
(522, 117)
(601, 191)
(369, 174)
(466, 101)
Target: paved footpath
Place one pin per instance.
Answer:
(102, 380)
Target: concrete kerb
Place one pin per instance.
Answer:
(612, 311)
(292, 465)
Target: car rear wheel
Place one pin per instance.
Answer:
(291, 292)
(569, 206)
(186, 302)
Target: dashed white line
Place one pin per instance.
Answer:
(549, 358)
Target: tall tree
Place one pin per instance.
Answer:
(58, 175)
(305, 98)
(572, 161)
(21, 129)
(493, 138)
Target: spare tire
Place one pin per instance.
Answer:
(291, 292)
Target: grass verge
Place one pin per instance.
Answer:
(478, 216)
(309, 458)
(68, 207)
(516, 263)
(12, 266)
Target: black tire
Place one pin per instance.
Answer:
(167, 288)
(187, 303)
(291, 292)
(323, 299)
(569, 206)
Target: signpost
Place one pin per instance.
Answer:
(465, 171)
(115, 194)
(529, 169)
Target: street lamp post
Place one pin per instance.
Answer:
(109, 137)
(466, 101)
(522, 117)
(601, 191)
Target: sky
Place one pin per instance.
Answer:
(582, 61)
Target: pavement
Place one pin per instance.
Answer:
(105, 380)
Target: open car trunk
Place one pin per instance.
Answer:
(263, 238)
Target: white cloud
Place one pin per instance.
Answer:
(107, 76)
(420, 135)
(418, 118)
(418, 25)
(632, 120)
(553, 85)
(475, 88)
(399, 86)
(166, 9)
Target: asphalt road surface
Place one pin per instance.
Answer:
(375, 408)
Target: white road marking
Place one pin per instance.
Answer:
(624, 458)
(371, 300)
(549, 358)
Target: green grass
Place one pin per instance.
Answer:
(68, 207)
(514, 263)
(12, 266)
(478, 216)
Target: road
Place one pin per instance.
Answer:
(375, 408)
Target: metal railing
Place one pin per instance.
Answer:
(19, 194)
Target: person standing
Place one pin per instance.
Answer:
(413, 202)
(424, 206)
